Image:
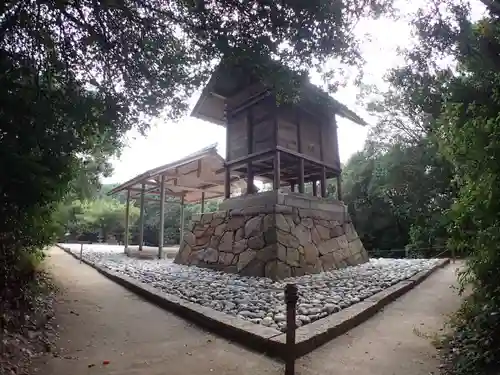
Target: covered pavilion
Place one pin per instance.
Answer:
(192, 179)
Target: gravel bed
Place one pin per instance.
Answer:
(261, 300)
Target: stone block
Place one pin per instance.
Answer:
(292, 257)
(356, 246)
(282, 270)
(226, 241)
(209, 255)
(281, 252)
(298, 202)
(281, 223)
(267, 253)
(226, 259)
(255, 267)
(206, 218)
(324, 233)
(239, 246)
(245, 258)
(285, 210)
(307, 222)
(328, 246)
(276, 235)
(315, 237)
(269, 221)
(216, 222)
(235, 223)
(328, 261)
(219, 229)
(302, 234)
(256, 242)
(253, 226)
(342, 241)
(287, 239)
(350, 232)
(311, 253)
(337, 231)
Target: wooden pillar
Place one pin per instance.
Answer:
(161, 233)
(141, 218)
(315, 188)
(299, 149)
(181, 229)
(127, 221)
(227, 182)
(339, 187)
(250, 178)
(227, 170)
(202, 202)
(323, 181)
(250, 175)
(277, 171)
(301, 176)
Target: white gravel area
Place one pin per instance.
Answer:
(261, 300)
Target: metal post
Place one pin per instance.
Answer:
(182, 220)
(81, 252)
(315, 188)
(127, 222)
(202, 202)
(291, 298)
(141, 218)
(161, 234)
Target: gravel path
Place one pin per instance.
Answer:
(101, 321)
(260, 300)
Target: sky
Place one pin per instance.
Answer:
(166, 142)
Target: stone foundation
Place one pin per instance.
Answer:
(273, 234)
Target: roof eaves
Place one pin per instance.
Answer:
(209, 150)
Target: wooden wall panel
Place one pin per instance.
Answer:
(263, 135)
(335, 143)
(287, 134)
(330, 149)
(310, 136)
(237, 136)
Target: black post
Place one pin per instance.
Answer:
(291, 298)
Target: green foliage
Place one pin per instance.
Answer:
(100, 217)
(459, 105)
(397, 194)
(75, 76)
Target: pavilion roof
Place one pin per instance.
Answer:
(197, 173)
(228, 79)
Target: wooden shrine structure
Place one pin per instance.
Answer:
(282, 232)
(289, 144)
(192, 179)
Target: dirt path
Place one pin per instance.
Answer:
(100, 321)
(390, 343)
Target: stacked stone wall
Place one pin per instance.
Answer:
(273, 241)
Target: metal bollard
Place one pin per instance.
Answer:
(291, 298)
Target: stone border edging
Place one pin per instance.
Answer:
(264, 339)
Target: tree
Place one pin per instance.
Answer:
(460, 104)
(397, 194)
(76, 75)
